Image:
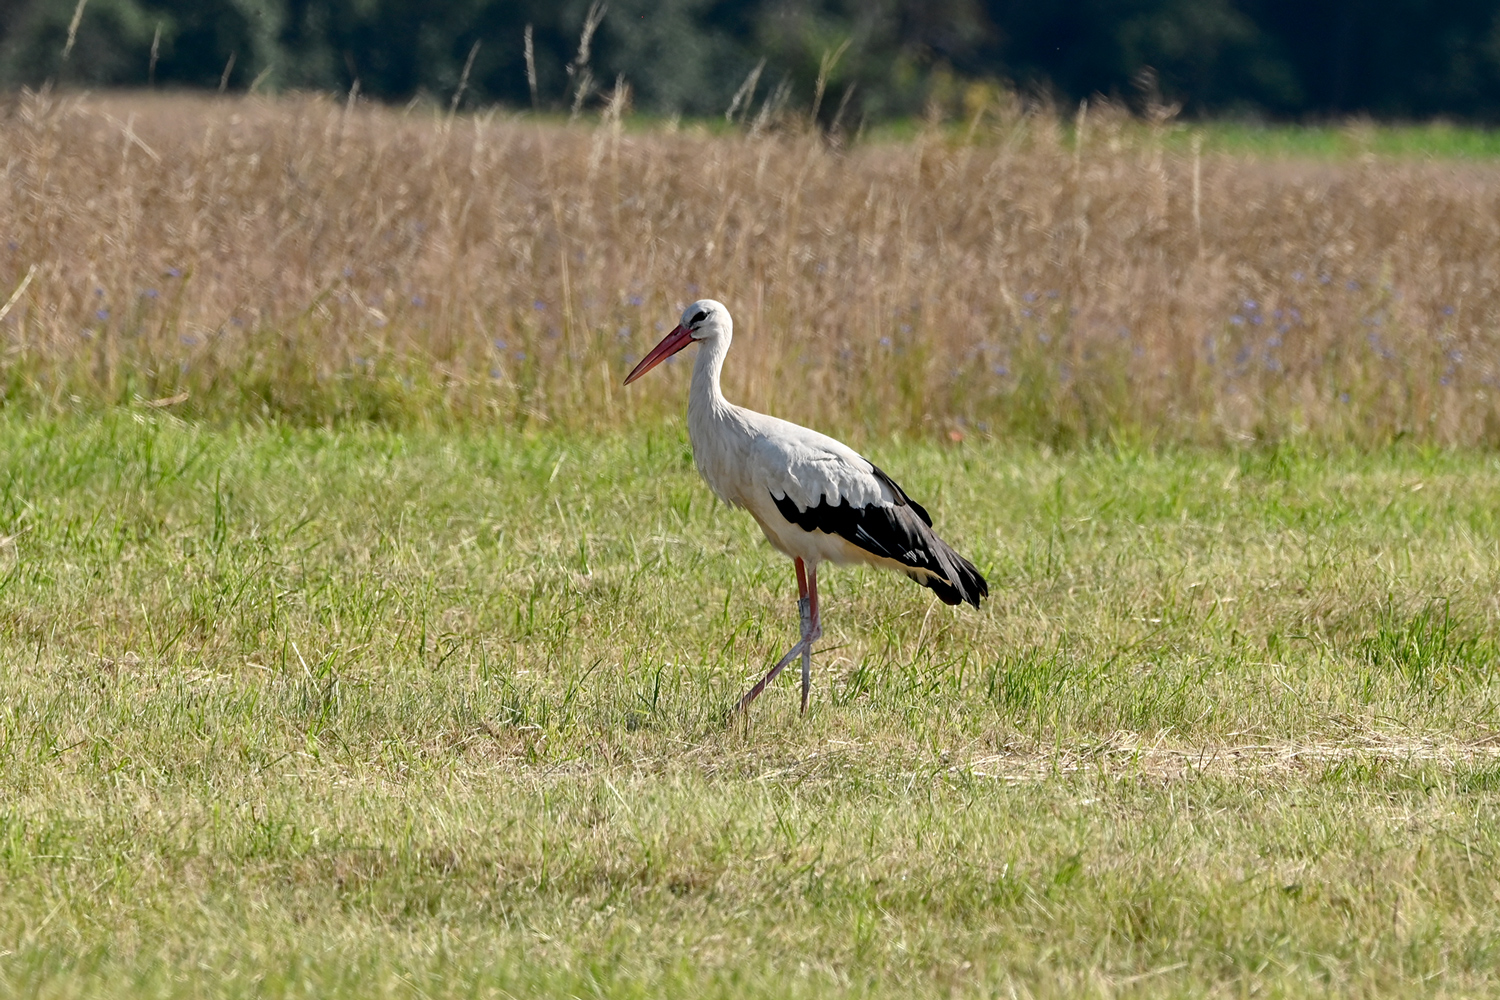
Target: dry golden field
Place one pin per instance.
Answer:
(309, 261)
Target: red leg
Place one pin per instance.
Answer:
(812, 629)
(812, 598)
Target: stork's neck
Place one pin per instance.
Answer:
(705, 392)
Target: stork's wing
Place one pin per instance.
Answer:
(793, 461)
(820, 484)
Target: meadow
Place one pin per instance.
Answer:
(361, 636)
(364, 712)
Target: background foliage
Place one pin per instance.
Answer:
(1389, 58)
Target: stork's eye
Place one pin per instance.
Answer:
(698, 317)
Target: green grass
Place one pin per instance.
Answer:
(1432, 140)
(370, 713)
(1436, 140)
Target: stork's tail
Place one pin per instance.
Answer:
(949, 575)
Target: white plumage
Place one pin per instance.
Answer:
(816, 499)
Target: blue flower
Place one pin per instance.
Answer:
(1250, 305)
(1447, 310)
(885, 341)
(102, 314)
(1297, 275)
(417, 300)
(150, 293)
(1029, 297)
(1000, 370)
(1343, 397)
(1237, 319)
(636, 300)
(538, 305)
(499, 345)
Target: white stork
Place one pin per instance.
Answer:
(815, 498)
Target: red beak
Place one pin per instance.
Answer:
(670, 345)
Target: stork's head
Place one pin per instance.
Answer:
(703, 320)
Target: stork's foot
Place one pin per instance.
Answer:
(811, 633)
(802, 648)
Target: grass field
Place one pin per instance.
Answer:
(360, 635)
(365, 712)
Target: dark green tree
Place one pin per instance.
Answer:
(1311, 58)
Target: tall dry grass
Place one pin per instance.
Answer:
(309, 261)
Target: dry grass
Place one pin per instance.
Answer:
(308, 261)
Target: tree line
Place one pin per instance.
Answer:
(874, 59)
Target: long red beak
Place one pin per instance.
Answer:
(670, 345)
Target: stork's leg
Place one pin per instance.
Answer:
(808, 613)
(812, 626)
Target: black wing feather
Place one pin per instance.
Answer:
(901, 531)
